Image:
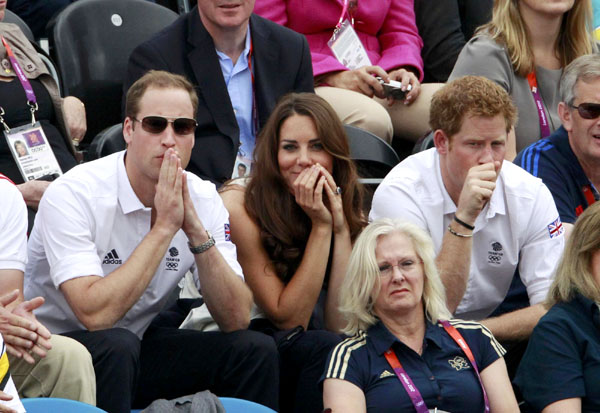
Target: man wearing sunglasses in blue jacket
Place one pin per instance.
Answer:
(113, 238)
(568, 161)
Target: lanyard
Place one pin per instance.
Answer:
(349, 6)
(539, 104)
(31, 99)
(254, 110)
(589, 194)
(409, 386)
(407, 383)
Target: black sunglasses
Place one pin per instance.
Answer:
(588, 110)
(157, 124)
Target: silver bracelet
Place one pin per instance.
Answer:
(458, 234)
(202, 247)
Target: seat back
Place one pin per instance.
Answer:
(54, 405)
(10, 17)
(110, 140)
(233, 405)
(373, 157)
(91, 41)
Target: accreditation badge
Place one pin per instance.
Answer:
(32, 152)
(347, 47)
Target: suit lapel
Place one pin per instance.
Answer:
(204, 62)
(266, 65)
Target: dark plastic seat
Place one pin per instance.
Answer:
(10, 17)
(91, 41)
(424, 143)
(110, 140)
(178, 6)
(373, 156)
(54, 405)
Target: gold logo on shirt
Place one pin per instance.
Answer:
(459, 363)
(385, 374)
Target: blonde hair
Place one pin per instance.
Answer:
(361, 286)
(574, 272)
(508, 28)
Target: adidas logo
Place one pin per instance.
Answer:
(112, 258)
(385, 374)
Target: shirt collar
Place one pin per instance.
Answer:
(383, 339)
(245, 52)
(127, 198)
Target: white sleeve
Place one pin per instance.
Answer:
(216, 220)
(13, 228)
(396, 197)
(542, 247)
(65, 227)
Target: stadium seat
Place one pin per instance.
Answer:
(374, 158)
(110, 140)
(91, 40)
(233, 405)
(426, 142)
(52, 405)
(10, 17)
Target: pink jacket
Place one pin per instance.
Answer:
(386, 28)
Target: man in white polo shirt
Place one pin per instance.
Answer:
(487, 217)
(113, 238)
(42, 365)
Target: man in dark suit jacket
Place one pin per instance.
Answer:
(281, 64)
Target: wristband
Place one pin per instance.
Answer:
(458, 234)
(463, 223)
(202, 247)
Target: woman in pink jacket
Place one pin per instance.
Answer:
(388, 32)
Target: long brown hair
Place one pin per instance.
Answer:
(284, 225)
(508, 28)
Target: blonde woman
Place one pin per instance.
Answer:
(524, 49)
(560, 370)
(405, 354)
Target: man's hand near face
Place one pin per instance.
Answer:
(477, 191)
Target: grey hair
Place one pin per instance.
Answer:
(585, 68)
(360, 287)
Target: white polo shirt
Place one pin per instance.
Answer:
(13, 227)
(90, 221)
(520, 227)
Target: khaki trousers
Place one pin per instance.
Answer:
(66, 372)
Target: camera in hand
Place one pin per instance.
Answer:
(394, 89)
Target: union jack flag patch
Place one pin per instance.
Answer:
(555, 228)
(227, 233)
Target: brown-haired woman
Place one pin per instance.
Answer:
(293, 226)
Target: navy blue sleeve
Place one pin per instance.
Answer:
(551, 368)
(484, 346)
(348, 361)
(536, 159)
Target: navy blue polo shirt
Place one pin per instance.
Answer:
(562, 360)
(443, 374)
(553, 160)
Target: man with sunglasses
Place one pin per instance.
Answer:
(568, 161)
(240, 64)
(112, 240)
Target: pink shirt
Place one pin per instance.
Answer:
(386, 28)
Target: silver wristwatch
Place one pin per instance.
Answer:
(204, 246)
